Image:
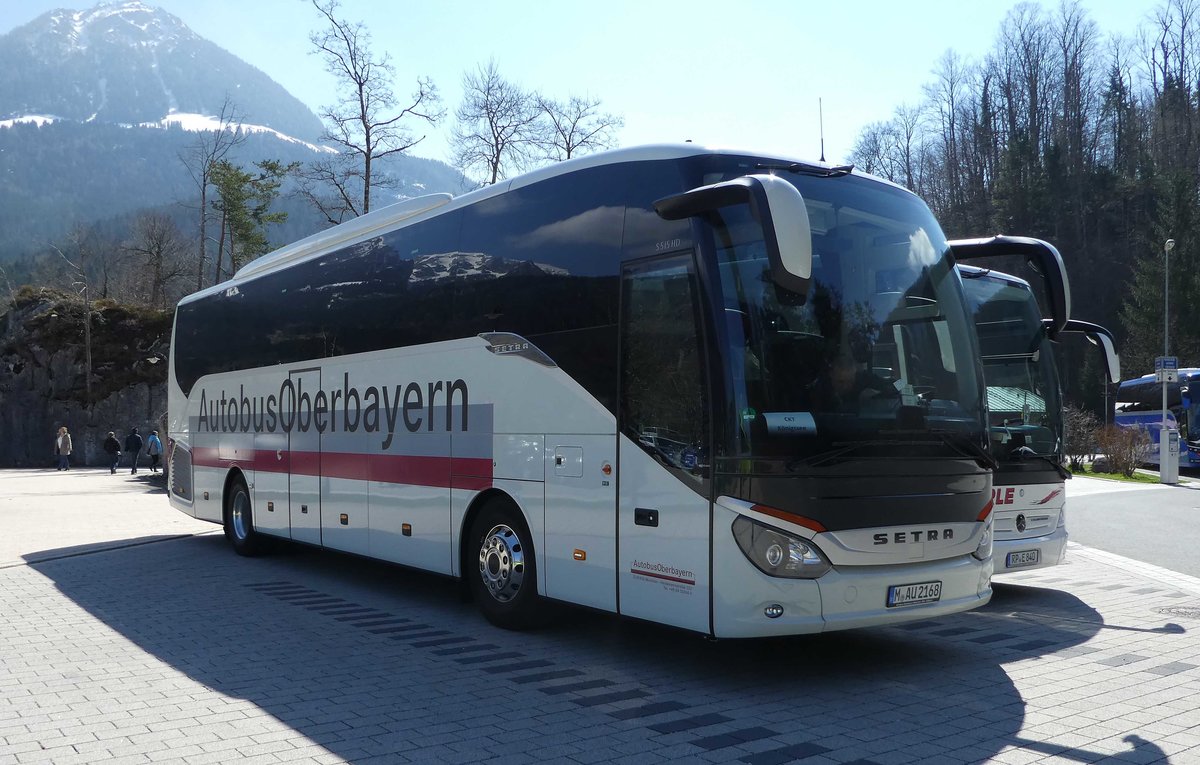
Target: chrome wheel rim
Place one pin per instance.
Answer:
(240, 515)
(502, 563)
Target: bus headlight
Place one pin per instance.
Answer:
(777, 553)
(1062, 516)
(984, 550)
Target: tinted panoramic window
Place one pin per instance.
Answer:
(368, 296)
(541, 261)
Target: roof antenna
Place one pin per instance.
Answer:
(821, 118)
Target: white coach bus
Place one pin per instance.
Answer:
(732, 393)
(1020, 366)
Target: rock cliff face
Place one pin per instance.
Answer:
(44, 381)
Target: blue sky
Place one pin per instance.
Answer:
(746, 74)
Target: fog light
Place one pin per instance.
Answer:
(773, 611)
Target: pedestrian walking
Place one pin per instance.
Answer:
(133, 445)
(154, 449)
(62, 448)
(112, 447)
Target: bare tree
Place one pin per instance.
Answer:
(907, 124)
(80, 252)
(576, 127)
(8, 285)
(1026, 43)
(872, 152)
(333, 187)
(894, 149)
(496, 125)
(946, 95)
(365, 122)
(1173, 69)
(156, 242)
(209, 148)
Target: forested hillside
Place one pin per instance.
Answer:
(1092, 143)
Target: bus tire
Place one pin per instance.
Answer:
(501, 567)
(239, 521)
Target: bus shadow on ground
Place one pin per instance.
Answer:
(44, 556)
(369, 660)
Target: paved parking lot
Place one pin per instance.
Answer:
(130, 633)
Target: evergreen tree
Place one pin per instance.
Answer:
(244, 202)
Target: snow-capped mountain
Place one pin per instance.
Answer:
(131, 63)
(473, 265)
(99, 108)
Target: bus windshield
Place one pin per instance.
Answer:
(878, 359)
(1018, 364)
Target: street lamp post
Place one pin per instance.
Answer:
(1165, 474)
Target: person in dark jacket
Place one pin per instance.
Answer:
(133, 445)
(62, 448)
(847, 384)
(112, 447)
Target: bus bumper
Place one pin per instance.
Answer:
(844, 598)
(1043, 551)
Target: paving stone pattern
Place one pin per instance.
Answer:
(180, 651)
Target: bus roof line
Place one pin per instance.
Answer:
(358, 227)
(426, 206)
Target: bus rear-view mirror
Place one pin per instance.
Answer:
(1103, 339)
(779, 209)
(1043, 256)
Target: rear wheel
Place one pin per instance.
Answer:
(239, 521)
(501, 567)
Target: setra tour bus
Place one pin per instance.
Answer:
(1025, 407)
(736, 394)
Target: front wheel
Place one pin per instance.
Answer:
(501, 568)
(239, 521)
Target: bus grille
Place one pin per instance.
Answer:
(180, 475)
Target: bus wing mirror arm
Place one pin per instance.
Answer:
(779, 209)
(1101, 337)
(1041, 254)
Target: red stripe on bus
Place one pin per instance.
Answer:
(1049, 497)
(783, 515)
(985, 512)
(443, 472)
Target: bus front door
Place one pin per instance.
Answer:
(304, 453)
(664, 515)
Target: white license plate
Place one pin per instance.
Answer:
(913, 594)
(1023, 558)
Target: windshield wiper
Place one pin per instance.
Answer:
(821, 171)
(825, 458)
(967, 448)
(1024, 453)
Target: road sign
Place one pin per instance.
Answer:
(1166, 362)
